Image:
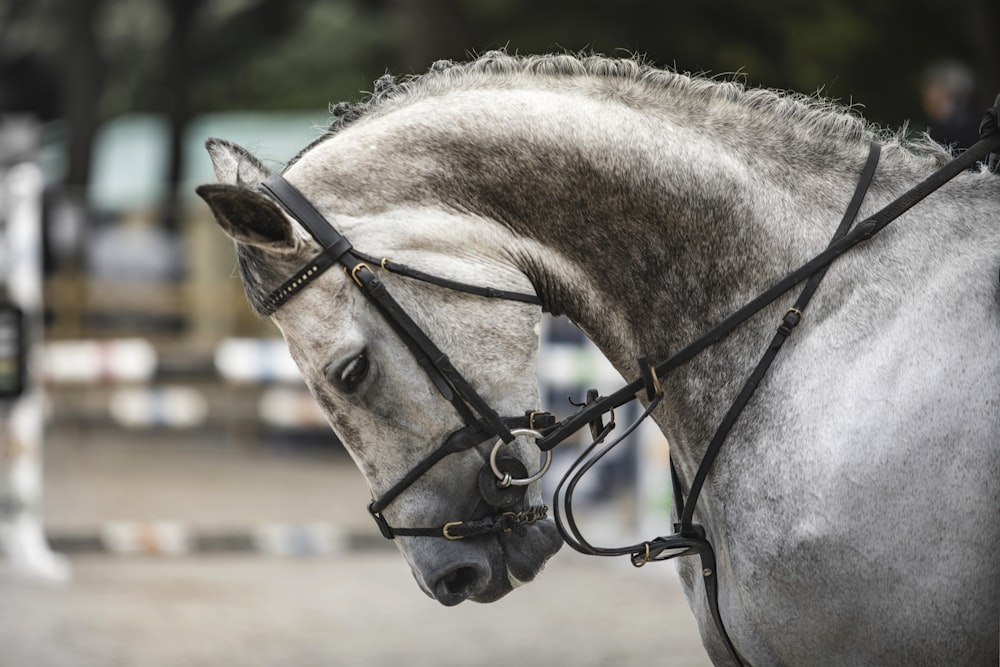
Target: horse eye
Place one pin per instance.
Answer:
(352, 373)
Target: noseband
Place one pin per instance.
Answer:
(502, 482)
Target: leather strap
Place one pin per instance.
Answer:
(305, 275)
(484, 291)
(461, 440)
(504, 522)
(335, 246)
(449, 382)
(990, 127)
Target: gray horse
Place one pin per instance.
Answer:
(854, 508)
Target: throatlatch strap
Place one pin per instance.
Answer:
(484, 291)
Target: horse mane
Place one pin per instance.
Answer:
(636, 82)
(630, 81)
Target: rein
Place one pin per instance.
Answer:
(482, 422)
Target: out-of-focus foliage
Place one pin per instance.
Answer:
(866, 51)
(300, 53)
(90, 60)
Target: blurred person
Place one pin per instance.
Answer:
(947, 92)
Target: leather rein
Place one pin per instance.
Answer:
(503, 481)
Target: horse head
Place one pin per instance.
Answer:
(389, 410)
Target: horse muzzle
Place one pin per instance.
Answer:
(481, 569)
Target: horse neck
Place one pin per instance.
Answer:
(648, 243)
(649, 246)
(644, 226)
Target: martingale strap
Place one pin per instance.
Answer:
(792, 318)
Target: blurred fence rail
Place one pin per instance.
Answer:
(241, 389)
(195, 312)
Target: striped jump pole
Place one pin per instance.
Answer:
(23, 546)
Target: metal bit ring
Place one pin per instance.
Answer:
(504, 478)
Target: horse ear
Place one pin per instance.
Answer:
(234, 164)
(249, 217)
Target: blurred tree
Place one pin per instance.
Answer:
(192, 50)
(27, 64)
(431, 30)
(982, 21)
(854, 50)
(83, 75)
(180, 66)
(89, 60)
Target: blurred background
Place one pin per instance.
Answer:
(192, 501)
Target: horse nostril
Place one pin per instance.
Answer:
(456, 586)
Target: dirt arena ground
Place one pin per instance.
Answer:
(354, 603)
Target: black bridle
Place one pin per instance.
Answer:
(482, 422)
(503, 482)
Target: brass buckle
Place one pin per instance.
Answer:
(636, 561)
(531, 418)
(354, 272)
(656, 383)
(449, 536)
(384, 260)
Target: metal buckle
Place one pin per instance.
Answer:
(531, 418)
(649, 378)
(449, 536)
(640, 560)
(796, 312)
(354, 272)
